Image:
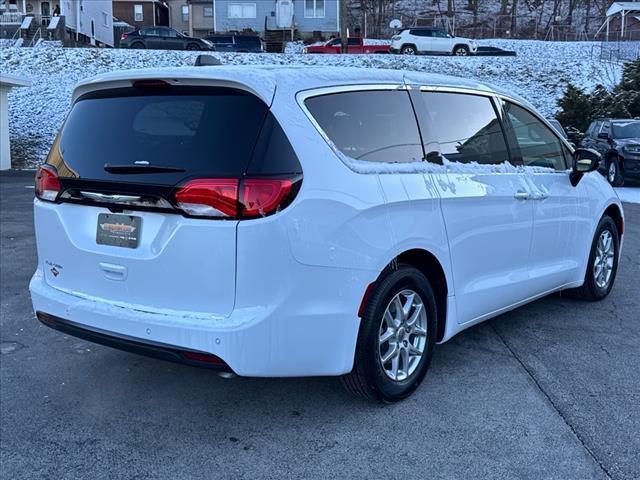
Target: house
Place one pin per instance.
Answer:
(89, 20)
(142, 13)
(7, 82)
(12, 13)
(202, 17)
(622, 22)
(306, 16)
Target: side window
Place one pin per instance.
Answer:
(467, 128)
(606, 128)
(353, 42)
(596, 129)
(150, 32)
(374, 126)
(440, 34)
(538, 145)
(420, 33)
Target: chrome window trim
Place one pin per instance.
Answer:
(496, 97)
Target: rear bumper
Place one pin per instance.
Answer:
(133, 345)
(264, 341)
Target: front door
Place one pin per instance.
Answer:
(555, 258)
(284, 13)
(484, 203)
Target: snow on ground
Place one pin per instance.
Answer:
(539, 73)
(629, 195)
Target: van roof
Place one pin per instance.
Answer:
(262, 80)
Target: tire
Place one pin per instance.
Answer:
(372, 379)
(192, 47)
(409, 50)
(593, 289)
(614, 174)
(138, 45)
(460, 51)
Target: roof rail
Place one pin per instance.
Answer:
(206, 61)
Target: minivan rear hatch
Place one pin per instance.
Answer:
(122, 154)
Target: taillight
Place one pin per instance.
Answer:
(209, 197)
(124, 36)
(232, 198)
(262, 196)
(47, 183)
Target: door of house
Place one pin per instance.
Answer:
(45, 12)
(284, 13)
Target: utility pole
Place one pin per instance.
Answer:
(343, 25)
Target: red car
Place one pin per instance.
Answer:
(354, 45)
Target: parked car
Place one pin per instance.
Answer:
(618, 141)
(354, 45)
(302, 221)
(560, 129)
(163, 38)
(237, 43)
(432, 41)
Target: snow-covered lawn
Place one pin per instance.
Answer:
(539, 73)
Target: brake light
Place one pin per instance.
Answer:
(232, 198)
(47, 183)
(209, 197)
(124, 36)
(202, 357)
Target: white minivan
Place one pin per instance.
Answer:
(283, 221)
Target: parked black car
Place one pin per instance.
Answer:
(163, 38)
(237, 43)
(618, 141)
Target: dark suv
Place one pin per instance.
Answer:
(618, 141)
(237, 43)
(163, 38)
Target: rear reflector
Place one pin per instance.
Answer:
(47, 183)
(202, 357)
(227, 198)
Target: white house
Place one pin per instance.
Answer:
(91, 18)
(7, 82)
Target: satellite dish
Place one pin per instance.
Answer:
(395, 23)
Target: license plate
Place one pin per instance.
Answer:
(118, 230)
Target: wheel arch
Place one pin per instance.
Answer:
(615, 213)
(429, 265)
(458, 45)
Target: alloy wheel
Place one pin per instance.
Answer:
(613, 171)
(603, 263)
(402, 335)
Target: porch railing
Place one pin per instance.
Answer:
(10, 18)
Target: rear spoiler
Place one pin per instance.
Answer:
(206, 61)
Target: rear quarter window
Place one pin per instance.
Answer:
(373, 126)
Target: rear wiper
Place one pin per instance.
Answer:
(141, 168)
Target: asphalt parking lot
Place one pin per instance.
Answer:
(551, 390)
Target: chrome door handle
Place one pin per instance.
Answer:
(521, 195)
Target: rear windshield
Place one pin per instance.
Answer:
(203, 131)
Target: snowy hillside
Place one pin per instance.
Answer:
(539, 73)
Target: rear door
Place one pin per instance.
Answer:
(422, 39)
(441, 42)
(484, 202)
(122, 172)
(152, 38)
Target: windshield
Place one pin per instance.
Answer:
(629, 129)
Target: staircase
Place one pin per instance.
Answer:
(32, 35)
(275, 40)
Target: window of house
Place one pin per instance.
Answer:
(208, 12)
(241, 10)
(105, 19)
(137, 13)
(372, 126)
(537, 144)
(467, 128)
(314, 8)
(185, 13)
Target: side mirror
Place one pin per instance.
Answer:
(603, 136)
(585, 160)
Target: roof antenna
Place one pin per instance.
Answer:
(207, 61)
